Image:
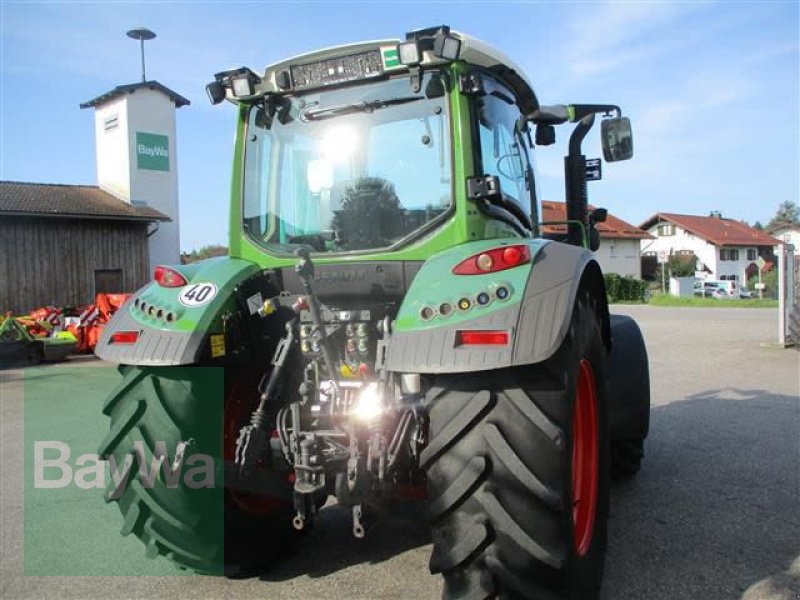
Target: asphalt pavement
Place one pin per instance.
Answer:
(715, 512)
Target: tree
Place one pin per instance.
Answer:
(678, 265)
(788, 213)
(758, 225)
(204, 253)
(371, 215)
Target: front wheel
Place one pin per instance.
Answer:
(518, 472)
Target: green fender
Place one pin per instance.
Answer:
(535, 315)
(174, 323)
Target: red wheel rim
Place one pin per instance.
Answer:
(238, 406)
(585, 459)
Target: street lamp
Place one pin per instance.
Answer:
(141, 34)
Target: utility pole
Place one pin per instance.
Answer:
(662, 260)
(786, 297)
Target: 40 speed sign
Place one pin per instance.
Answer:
(197, 294)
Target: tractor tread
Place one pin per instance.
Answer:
(462, 487)
(498, 468)
(160, 517)
(505, 522)
(475, 539)
(535, 415)
(503, 451)
(480, 404)
(127, 420)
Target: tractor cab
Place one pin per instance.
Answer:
(388, 150)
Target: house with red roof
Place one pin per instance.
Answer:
(619, 250)
(725, 249)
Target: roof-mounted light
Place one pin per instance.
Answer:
(409, 53)
(242, 85)
(241, 82)
(446, 46)
(437, 40)
(216, 92)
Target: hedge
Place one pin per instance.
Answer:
(625, 289)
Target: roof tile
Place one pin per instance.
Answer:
(613, 228)
(717, 230)
(70, 201)
(132, 87)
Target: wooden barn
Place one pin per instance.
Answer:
(62, 244)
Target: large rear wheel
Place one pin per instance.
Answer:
(518, 469)
(203, 527)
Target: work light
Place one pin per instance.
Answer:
(242, 85)
(369, 404)
(408, 53)
(446, 46)
(216, 92)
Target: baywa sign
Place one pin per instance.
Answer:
(152, 151)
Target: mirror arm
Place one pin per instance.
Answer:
(579, 111)
(575, 182)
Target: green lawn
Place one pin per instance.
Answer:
(667, 300)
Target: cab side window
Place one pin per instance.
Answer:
(502, 149)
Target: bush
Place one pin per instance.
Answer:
(770, 281)
(677, 266)
(625, 289)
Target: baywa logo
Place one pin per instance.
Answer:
(195, 471)
(152, 151)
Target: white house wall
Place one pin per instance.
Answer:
(111, 135)
(621, 256)
(151, 111)
(790, 236)
(144, 111)
(705, 251)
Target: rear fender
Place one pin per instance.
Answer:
(536, 315)
(174, 324)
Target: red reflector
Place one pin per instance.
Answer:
(124, 337)
(496, 259)
(481, 338)
(167, 277)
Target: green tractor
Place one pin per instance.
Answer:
(392, 323)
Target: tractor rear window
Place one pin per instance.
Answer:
(353, 169)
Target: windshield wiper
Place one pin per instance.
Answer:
(358, 107)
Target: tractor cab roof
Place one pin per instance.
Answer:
(374, 59)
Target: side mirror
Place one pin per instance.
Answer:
(598, 215)
(617, 137)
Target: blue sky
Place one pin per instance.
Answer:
(711, 87)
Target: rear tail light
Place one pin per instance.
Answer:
(167, 277)
(124, 337)
(496, 259)
(482, 338)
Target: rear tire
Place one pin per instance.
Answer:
(503, 464)
(199, 529)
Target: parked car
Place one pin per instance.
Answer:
(746, 294)
(716, 289)
(718, 293)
